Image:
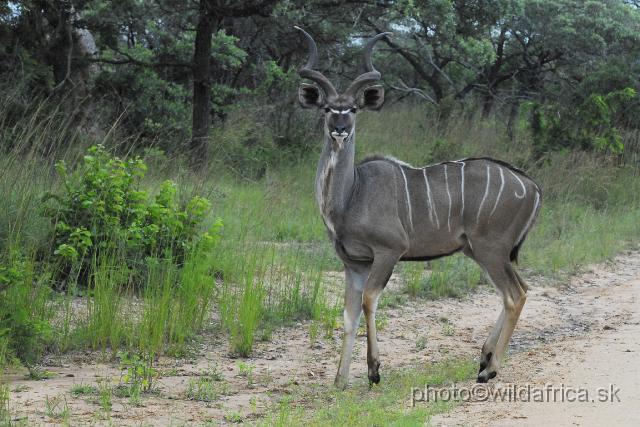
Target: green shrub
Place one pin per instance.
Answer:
(592, 124)
(101, 210)
(24, 315)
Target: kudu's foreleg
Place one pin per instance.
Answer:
(355, 282)
(378, 277)
(362, 293)
(513, 291)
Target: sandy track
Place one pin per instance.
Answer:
(581, 333)
(581, 372)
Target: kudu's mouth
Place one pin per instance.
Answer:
(339, 137)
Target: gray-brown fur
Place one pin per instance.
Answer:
(382, 211)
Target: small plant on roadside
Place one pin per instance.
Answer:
(233, 417)
(245, 370)
(39, 374)
(137, 376)
(105, 394)
(448, 329)
(382, 321)
(314, 327)
(207, 387)
(83, 390)
(421, 343)
(57, 408)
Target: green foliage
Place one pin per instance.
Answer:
(105, 394)
(5, 414)
(57, 408)
(159, 110)
(101, 210)
(207, 387)
(83, 390)
(137, 375)
(591, 125)
(25, 329)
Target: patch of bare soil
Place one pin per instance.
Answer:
(581, 333)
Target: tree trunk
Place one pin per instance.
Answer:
(60, 48)
(513, 118)
(487, 105)
(202, 84)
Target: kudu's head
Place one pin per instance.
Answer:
(340, 110)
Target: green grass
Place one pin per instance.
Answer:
(83, 390)
(386, 404)
(207, 387)
(5, 413)
(56, 408)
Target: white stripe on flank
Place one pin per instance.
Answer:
(446, 181)
(432, 209)
(486, 192)
(462, 188)
(495, 205)
(533, 214)
(406, 189)
(524, 190)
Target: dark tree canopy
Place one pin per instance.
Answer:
(169, 70)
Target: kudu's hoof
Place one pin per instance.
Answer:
(485, 376)
(484, 362)
(374, 373)
(374, 379)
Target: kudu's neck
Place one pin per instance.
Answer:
(335, 179)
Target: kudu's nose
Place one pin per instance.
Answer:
(341, 129)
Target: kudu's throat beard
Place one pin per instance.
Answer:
(338, 140)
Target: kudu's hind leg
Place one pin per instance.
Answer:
(355, 281)
(513, 292)
(489, 346)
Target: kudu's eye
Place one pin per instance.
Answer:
(353, 109)
(327, 109)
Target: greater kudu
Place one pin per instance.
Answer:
(382, 211)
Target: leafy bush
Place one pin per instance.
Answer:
(591, 125)
(101, 210)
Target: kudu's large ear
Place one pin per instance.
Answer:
(372, 98)
(310, 96)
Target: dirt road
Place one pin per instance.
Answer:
(582, 333)
(593, 379)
